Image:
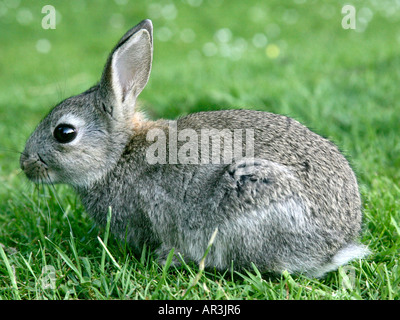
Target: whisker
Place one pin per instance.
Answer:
(37, 188)
(53, 188)
(20, 172)
(25, 186)
(47, 204)
(9, 150)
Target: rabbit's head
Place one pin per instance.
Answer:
(83, 136)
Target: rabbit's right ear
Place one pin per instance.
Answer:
(127, 71)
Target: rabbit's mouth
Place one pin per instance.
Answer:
(35, 168)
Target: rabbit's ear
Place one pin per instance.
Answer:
(128, 69)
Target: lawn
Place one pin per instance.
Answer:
(292, 58)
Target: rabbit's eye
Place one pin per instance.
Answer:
(65, 133)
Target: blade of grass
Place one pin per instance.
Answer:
(109, 254)
(67, 260)
(10, 274)
(202, 263)
(28, 266)
(164, 272)
(104, 244)
(395, 225)
(143, 255)
(75, 252)
(389, 285)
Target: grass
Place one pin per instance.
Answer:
(341, 83)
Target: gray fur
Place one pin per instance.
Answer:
(295, 206)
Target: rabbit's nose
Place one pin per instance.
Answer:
(22, 161)
(27, 162)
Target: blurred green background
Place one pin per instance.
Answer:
(289, 57)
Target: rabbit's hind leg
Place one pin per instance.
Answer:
(262, 217)
(258, 182)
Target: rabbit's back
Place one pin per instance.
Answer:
(327, 179)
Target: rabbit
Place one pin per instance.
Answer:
(291, 203)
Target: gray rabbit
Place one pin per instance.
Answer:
(290, 203)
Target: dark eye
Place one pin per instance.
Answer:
(65, 133)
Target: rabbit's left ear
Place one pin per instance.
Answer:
(128, 69)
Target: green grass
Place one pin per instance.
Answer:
(341, 83)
